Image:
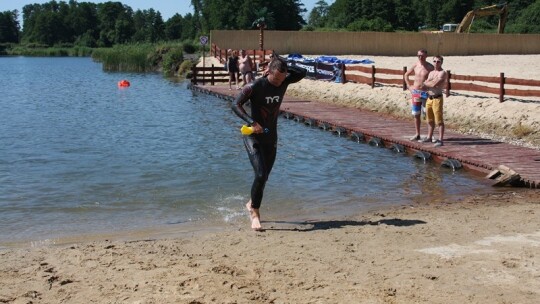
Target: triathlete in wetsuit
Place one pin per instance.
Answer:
(265, 96)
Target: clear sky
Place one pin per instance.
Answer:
(167, 8)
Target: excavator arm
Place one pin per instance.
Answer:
(498, 9)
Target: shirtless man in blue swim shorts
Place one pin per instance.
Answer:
(421, 70)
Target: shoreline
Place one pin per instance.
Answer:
(481, 249)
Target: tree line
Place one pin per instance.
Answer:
(415, 15)
(92, 25)
(109, 23)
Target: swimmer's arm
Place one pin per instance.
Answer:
(238, 105)
(295, 74)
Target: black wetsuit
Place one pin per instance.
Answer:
(232, 63)
(265, 102)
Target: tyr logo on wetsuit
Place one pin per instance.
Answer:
(272, 99)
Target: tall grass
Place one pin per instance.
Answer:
(165, 57)
(36, 51)
(127, 58)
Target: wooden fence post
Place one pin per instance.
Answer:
(212, 77)
(403, 76)
(343, 80)
(448, 85)
(194, 75)
(501, 91)
(372, 76)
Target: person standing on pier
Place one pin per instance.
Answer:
(232, 68)
(265, 95)
(434, 85)
(246, 67)
(421, 70)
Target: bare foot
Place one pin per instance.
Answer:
(255, 217)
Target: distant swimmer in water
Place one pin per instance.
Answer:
(265, 95)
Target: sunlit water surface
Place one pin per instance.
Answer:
(80, 156)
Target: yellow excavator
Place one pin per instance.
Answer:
(498, 9)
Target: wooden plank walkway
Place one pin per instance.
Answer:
(479, 154)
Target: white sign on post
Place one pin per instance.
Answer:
(204, 40)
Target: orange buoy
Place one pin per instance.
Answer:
(123, 83)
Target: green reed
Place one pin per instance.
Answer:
(141, 57)
(125, 58)
(165, 57)
(37, 51)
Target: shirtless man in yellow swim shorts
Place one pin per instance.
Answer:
(434, 85)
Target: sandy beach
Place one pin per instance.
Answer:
(479, 249)
(483, 249)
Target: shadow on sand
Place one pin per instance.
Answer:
(325, 225)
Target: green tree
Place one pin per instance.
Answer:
(47, 28)
(221, 14)
(115, 23)
(341, 13)
(376, 24)
(453, 11)
(406, 17)
(318, 15)
(45, 23)
(197, 19)
(82, 18)
(149, 26)
(9, 26)
(123, 30)
(190, 29)
(157, 25)
(529, 21)
(141, 30)
(288, 14)
(174, 26)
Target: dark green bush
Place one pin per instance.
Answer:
(189, 47)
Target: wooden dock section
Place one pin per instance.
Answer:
(506, 164)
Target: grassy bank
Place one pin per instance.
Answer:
(34, 50)
(167, 58)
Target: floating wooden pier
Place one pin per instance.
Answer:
(504, 163)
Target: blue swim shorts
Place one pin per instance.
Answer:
(418, 101)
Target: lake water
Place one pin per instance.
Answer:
(81, 158)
